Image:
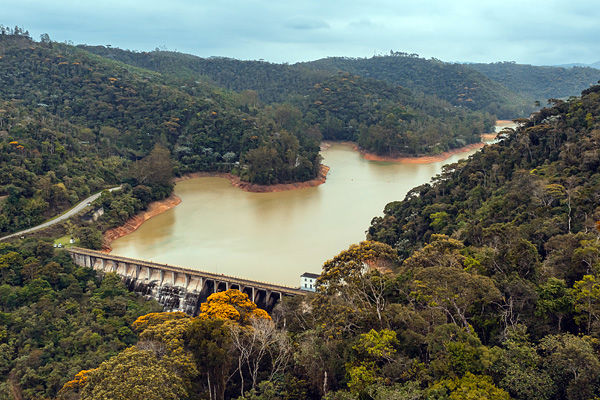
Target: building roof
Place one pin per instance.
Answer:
(309, 275)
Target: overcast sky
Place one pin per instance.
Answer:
(527, 31)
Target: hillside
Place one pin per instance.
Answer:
(540, 83)
(134, 108)
(554, 155)
(457, 84)
(274, 83)
(382, 117)
(387, 119)
(73, 123)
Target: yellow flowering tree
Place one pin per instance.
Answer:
(231, 305)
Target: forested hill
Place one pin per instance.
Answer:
(387, 119)
(382, 117)
(133, 109)
(457, 84)
(540, 82)
(539, 186)
(454, 83)
(272, 82)
(72, 123)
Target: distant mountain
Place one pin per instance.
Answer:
(380, 115)
(272, 82)
(593, 65)
(540, 83)
(457, 84)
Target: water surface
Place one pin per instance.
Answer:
(275, 237)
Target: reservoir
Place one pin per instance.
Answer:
(275, 237)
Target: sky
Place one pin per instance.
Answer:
(548, 32)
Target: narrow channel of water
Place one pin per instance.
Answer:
(275, 237)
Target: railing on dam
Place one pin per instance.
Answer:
(178, 288)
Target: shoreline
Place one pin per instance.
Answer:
(485, 137)
(158, 207)
(255, 188)
(489, 136)
(155, 208)
(419, 159)
(504, 122)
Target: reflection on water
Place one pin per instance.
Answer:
(275, 237)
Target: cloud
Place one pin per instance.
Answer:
(536, 31)
(304, 23)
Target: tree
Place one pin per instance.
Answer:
(554, 301)
(209, 341)
(132, 374)
(518, 368)
(469, 387)
(231, 305)
(374, 349)
(349, 267)
(587, 301)
(573, 365)
(90, 237)
(357, 276)
(454, 291)
(440, 251)
(156, 169)
(259, 342)
(163, 334)
(377, 345)
(455, 351)
(153, 319)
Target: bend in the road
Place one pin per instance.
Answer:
(68, 214)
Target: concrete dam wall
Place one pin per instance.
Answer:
(177, 288)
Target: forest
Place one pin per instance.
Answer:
(540, 83)
(457, 84)
(384, 116)
(73, 123)
(482, 284)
